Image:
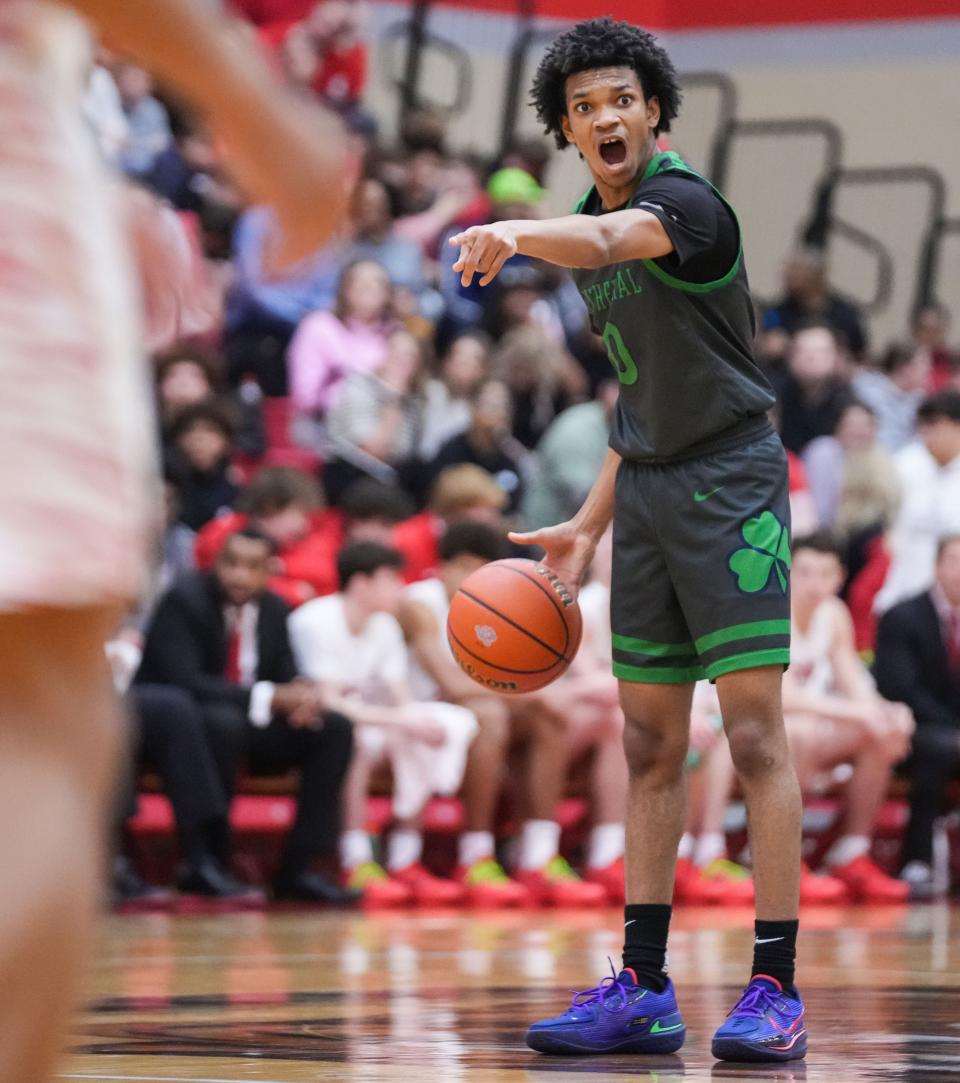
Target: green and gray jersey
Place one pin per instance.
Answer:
(679, 329)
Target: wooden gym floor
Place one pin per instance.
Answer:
(421, 997)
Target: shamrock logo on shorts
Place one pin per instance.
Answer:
(767, 550)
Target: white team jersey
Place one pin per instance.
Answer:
(432, 594)
(76, 447)
(810, 664)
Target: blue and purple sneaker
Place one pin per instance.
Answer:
(766, 1024)
(616, 1016)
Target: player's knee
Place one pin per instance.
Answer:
(753, 748)
(653, 750)
(492, 719)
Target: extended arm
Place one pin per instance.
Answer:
(577, 240)
(283, 151)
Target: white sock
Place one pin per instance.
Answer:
(404, 849)
(474, 846)
(847, 848)
(539, 843)
(685, 849)
(607, 843)
(355, 848)
(709, 847)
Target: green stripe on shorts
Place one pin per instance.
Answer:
(652, 649)
(754, 629)
(658, 674)
(749, 660)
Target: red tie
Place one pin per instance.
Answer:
(232, 669)
(953, 643)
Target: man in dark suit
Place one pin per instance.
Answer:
(918, 662)
(222, 637)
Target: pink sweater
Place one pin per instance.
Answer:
(323, 352)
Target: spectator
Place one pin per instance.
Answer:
(264, 310)
(375, 239)
(929, 473)
(529, 720)
(222, 637)
(487, 443)
(187, 375)
(918, 661)
(199, 451)
(170, 738)
(812, 392)
(869, 499)
(834, 716)
(462, 492)
(324, 52)
(894, 393)
(190, 174)
(542, 377)
(807, 296)
(372, 509)
(825, 457)
(328, 346)
(375, 424)
(464, 367)
(803, 510)
(288, 506)
(568, 459)
(103, 110)
(352, 645)
(929, 330)
(148, 126)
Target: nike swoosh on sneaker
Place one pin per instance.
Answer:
(657, 1028)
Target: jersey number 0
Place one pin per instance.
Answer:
(620, 357)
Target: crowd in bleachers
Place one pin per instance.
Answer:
(347, 441)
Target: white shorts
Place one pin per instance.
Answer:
(420, 770)
(77, 477)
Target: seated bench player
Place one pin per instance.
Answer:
(350, 642)
(834, 715)
(542, 876)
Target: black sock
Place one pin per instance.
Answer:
(775, 951)
(645, 928)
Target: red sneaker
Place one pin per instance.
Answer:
(429, 890)
(556, 884)
(690, 888)
(736, 881)
(379, 890)
(488, 886)
(867, 882)
(817, 889)
(610, 878)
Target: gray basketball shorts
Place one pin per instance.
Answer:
(701, 565)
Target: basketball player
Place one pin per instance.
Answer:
(696, 485)
(75, 440)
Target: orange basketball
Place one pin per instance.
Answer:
(513, 626)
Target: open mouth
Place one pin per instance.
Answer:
(613, 150)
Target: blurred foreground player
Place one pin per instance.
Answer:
(75, 463)
(696, 484)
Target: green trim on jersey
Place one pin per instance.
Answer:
(670, 160)
(661, 163)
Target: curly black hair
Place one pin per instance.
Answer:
(603, 43)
